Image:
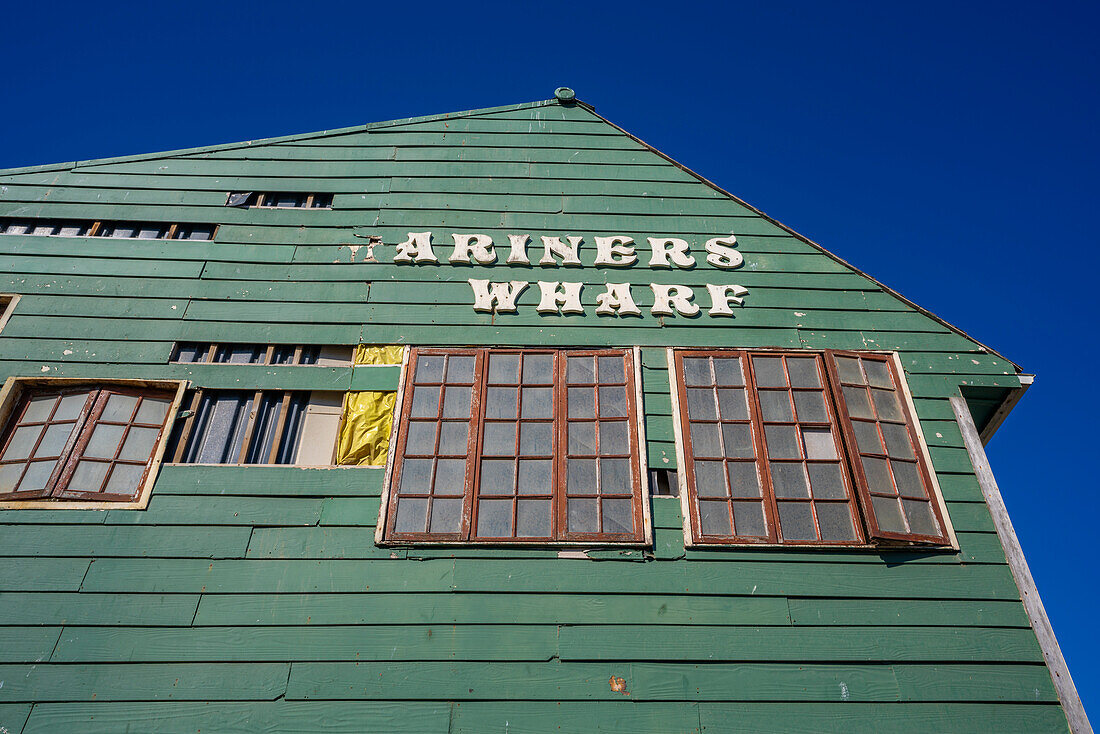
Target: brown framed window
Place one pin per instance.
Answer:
(265, 354)
(780, 448)
(82, 443)
(280, 200)
(117, 230)
(517, 445)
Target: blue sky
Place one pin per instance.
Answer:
(948, 149)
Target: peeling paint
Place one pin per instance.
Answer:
(618, 685)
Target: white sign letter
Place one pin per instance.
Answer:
(665, 297)
(418, 247)
(502, 294)
(480, 246)
(569, 298)
(552, 246)
(721, 296)
(518, 253)
(721, 252)
(617, 301)
(666, 247)
(608, 247)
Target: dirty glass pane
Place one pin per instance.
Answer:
(826, 482)
(22, 442)
(450, 476)
(810, 407)
(533, 519)
(727, 372)
(878, 373)
(858, 404)
(446, 516)
(582, 437)
(460, 370)
(775, 406)
(738, 440)
(538, 369)
(139, 444)
(867, 439)
(611, 369)
(888, 514)
(709, 479)
(789, 480)
(613, 438)
(425, 402)
(714, 518)
(878, 476)
(700, 404)
(104, 441)
(704, 439)
(9, 475)
(618, 516)
(921, 520)
(37, 476)
(499, 439)
(456, 402)
(429, 368)
(453, 437)
(580, 370)
(152, 410)
(581, 476)
(119, 408)
(534, 476)
(536, 439)
(782, 442)
(412, 515)
(908, 479)
(887, 405)
(38, 409)
(819, 443)
(744, 479)
(615, 476)
(612, 402)
(421, 440)
(803, 372)
(497, 476)
(697, 371)
(796, 521)
(504, 369)
(848, 369)
(538, 402)
(835, 521)
(748, 519)
(124, 479)
(582, 515)
(769, 372)
(501, 402)
(897, 441)
(416, 476)
(732, 405)
(88, 476)
(582, 402)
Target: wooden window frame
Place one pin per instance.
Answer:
(10, 397)
(94, 228)
(8, 302)
(384, 535)
(259, 199)
(688, 502)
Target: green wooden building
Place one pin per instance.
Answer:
(493, 421)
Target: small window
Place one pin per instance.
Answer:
(258, 427)
(801, 448)
(44, 227)
(266, 354)
(280, 200)
(513, 446)
(83, 442)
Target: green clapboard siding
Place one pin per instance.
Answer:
(254, 598)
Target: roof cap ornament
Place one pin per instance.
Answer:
(564, 94)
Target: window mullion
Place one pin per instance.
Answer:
(477, 425)
(763, 461)
(560, 402)
(70, 454)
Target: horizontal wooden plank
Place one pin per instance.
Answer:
(317, 542)
(43, 574)
(222, 510)
(114, 541)
(531, 717)
(125, 682)
(272, 481)
(106, 609)
(28, 644)
(912, 612)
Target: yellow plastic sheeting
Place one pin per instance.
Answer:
(365, 430)
(368, 354)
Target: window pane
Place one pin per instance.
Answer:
(897, 441)
(416, 476)
(104, 441)
(849, 371)
(37, 475)
(538, 369)
(727, 372)
(22, 442)
(867, 439)
(139, 444)
(450, 476)
(775, 405)
(125, 479)
(582, 402)
(538, 402)
(460, 370)
(533, 519)
(88, 476)
(826, 482)
(769, 372)
(421, 438)
(535, 476)
(456, 402)
(412, 515)
(858, 404)
(536, 439)
(700, 404)
(501, 402)
(582, 438)
(878, 476)
(429, 368)
(748, 518)
(709, 479)
(9, 476)
(612, 402)
(504, 369)
(580, 370)
(738, 440)
(782, 442)
(796, 521)
(453, 437)
(39, 407)
(810, 407)
(888, 514)
(704, 439)
(732, 405)
(714, 518)
(744, 479)
(151, 411)
(920, 517)
(611, 369)
(499, 439)
(908, 478)
(789, 480)
(697, 371)
(497, 476)
(835, 521)
(119, 409)
(819, 443)
(446, 516)
(581, 475)
(582, 516)
(613, 438)
(617, 517)
(425, 402)
(878, 373)
(887, 405)
(615, 476)
(803, 372)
